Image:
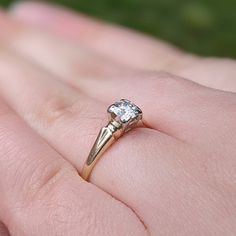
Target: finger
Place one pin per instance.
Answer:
(142, 168)
(171, 104)
(211, 72)
(68, 59)
(40, 190)
(129, 48)
(119, 44)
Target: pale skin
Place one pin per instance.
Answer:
(59, 71)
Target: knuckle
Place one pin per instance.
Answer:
(46, 179)
(81, 115)
(36, 185)
(164, 83)
(26, 175)
(58, 208)
(65, 207)
(41, 186)
(165, 80)
(55, 108)
(63, 110)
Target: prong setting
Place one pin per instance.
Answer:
(126, 113)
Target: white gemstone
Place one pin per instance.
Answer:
(125, 110)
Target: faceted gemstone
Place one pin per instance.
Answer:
(125, 110)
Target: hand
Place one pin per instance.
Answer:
(58, 73)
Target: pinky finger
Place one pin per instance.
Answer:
(42, 194)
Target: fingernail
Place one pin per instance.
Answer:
(31, 12)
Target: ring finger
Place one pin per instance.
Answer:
(142, 168)
(70, 121)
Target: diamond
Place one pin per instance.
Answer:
(125, 111)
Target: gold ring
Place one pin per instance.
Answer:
(123, 116)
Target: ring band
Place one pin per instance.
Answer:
(123, 116)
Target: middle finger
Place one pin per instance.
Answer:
(211, 72)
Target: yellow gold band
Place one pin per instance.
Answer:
(105, 139)
(124, 115)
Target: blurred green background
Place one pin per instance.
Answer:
(206, 27)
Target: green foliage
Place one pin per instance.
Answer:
(206, 27)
